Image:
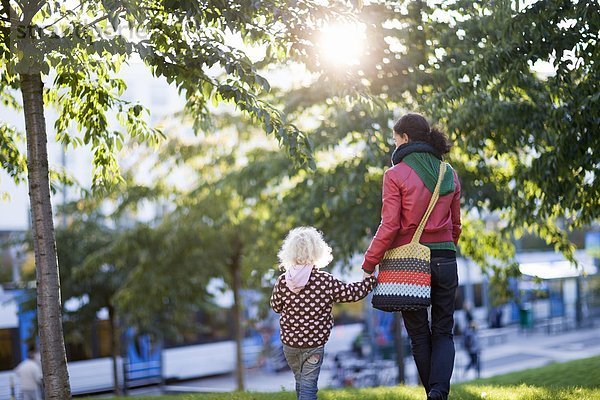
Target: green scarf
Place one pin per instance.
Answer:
(427, 167)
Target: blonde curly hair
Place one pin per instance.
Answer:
(304, 246)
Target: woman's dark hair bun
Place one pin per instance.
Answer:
(439, 140)
(417, 128)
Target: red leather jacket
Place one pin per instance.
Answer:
(405, 199)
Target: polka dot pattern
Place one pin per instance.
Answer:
(306, 318)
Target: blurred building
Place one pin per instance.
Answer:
(550, 291)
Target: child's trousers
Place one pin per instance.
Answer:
(306, 366)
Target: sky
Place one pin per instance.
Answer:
(154, 93)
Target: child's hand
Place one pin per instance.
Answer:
(366, 275)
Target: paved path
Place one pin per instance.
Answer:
(523, 351)
(518, 351)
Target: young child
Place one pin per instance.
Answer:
(304, 296)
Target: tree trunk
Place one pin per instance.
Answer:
(115, 349)
(237, 322)
(52, 345)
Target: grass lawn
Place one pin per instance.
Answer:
(581, 373)
(575, 380)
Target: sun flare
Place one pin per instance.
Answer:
(342, 44)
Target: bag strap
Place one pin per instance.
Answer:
(434, 198)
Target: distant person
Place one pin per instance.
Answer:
(496, 317)
(339, 375)
(304, 296)
(459, 327)
(468, 307)
(471, 343)
(408, 187)
(29, 373)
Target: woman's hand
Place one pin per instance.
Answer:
(366, 275)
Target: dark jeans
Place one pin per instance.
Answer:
(433, 347)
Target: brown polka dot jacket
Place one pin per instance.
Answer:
(306, 318)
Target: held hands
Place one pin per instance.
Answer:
(368, 275)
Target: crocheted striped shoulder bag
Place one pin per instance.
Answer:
(404, 279)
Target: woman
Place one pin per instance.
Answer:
(407, 189)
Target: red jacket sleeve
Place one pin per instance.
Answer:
(389, 226)
(455, 212)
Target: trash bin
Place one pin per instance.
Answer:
(526, 317)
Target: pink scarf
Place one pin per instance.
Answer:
(296, 277)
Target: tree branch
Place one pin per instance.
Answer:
(65, 15)
(13, 17)
(30, 10)
(96, 21)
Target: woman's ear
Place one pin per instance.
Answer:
(400, 138)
